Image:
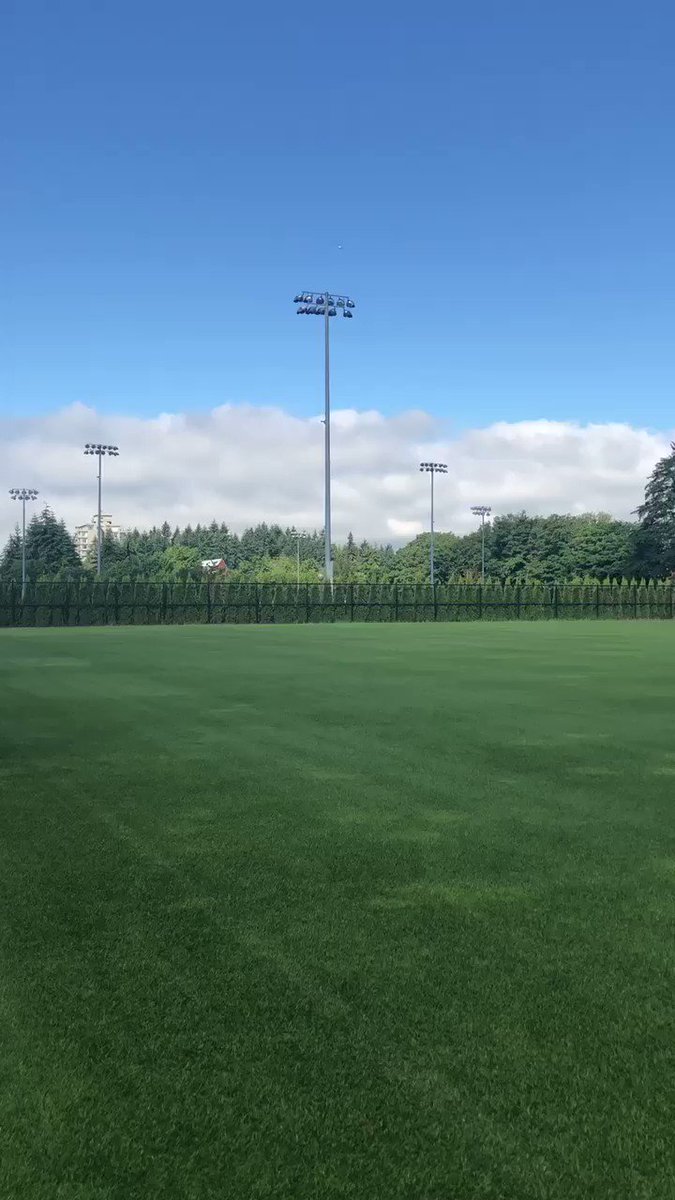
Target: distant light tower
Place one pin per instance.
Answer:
(433, 468)
(299, 535)
(23, 494)
(100, 449)
(325, 304)
(482, 511)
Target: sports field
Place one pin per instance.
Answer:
(320, 912)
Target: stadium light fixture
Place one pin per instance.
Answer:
(100, 449)
(433, 468)
(23, 494)
(326, 305)
(482, 511)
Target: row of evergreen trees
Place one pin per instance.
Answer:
(518, 547)
(88, 602)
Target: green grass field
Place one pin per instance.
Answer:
(321, 912)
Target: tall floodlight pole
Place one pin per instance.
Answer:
(326, 305)
(482, 511)
(23, 494)
(433, 468)
(100, 450)
(299, 535)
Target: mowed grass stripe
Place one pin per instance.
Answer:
(337, 912)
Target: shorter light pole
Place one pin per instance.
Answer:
(100, 450)
(482, 511)
(23, 494)
(433, 468)
(299, 535)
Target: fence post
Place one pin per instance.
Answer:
(257, 603)
(117, 603)
(635, 600)
(208, 603)
(555, 601)
(433, 592)
(351, 603)
(672, 606)
(12, 601)
(396, 602)
(518, 590)
(597, 601)
(480, 602)
(162, 611)
(306, 604)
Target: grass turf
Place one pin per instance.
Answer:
(375, 912)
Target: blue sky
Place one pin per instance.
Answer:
(500, 177)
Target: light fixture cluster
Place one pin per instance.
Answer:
(24, 493)
(434, 467)
(101, 448)
(314, 304)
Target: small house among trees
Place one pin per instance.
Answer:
(214, 565)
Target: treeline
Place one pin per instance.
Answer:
(518, 548)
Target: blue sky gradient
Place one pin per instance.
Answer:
(501, 179)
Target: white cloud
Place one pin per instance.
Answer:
(243, 464)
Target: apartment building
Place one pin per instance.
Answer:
(85, 535)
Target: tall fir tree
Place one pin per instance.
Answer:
(10, 561)
(655, 538)
(50, 550)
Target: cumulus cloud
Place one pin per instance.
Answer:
(244, 464)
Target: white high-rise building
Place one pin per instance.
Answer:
(85, 535)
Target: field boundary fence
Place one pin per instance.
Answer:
(151, 603)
